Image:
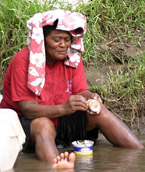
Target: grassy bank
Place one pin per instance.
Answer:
(109, 22)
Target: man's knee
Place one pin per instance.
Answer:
(43, 126)
(100, 119)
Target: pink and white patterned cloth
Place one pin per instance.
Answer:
(67, 21)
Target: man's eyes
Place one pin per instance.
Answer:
(56, 40)
(59, 39)
(68, 40)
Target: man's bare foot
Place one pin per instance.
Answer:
(64, 160)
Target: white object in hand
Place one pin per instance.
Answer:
(94, 105)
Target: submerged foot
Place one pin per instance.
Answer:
(64, 160)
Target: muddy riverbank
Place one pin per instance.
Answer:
(132, 114)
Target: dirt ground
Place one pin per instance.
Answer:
(135, 119)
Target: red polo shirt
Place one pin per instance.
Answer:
(60, 82)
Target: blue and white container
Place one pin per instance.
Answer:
(83, 147)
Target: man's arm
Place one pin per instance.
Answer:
(31, 109)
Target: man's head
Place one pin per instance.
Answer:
(50, 40)
(57, 42)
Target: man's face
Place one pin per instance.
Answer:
(56, 45)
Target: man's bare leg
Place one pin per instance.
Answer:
(43, 135)
(114, 129)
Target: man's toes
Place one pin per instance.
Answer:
(72, 157)
(66, 155)
(55, 160)
(62, 156)
(58, 158)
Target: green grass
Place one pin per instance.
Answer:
(128, 82)
(110, 20)
(124, 91)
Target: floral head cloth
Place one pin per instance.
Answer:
(67, 21)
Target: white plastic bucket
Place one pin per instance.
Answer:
(1, 97)
(12, 138)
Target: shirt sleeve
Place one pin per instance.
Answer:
(79, 82)
(19, 88)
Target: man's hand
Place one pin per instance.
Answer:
(75, 103)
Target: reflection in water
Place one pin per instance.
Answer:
(110, 159)
(106, 158)
(85, 162)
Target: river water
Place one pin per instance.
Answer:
(106, 158)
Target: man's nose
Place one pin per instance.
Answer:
(62, 42)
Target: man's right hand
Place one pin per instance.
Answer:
(75, 103)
